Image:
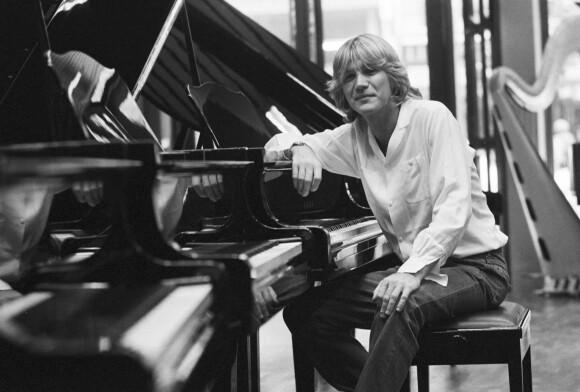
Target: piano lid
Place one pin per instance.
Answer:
(123, 35)
(230, 48)
(239, 54)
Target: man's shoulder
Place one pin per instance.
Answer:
(425, 105)
(423, 110)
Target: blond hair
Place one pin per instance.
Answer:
(372, 52)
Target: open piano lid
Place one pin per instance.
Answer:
(239, 54)
(121, 35)
(126, 36)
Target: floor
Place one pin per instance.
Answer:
(555, 336)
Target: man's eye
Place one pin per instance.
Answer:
(371, 71)
(348, 77)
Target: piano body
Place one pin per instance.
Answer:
(148, 45)
(337, 233)
(229, 49)
(106, 339)
(145, 320)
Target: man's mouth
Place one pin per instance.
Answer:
(362, 96)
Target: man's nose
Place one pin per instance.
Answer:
(361, 81)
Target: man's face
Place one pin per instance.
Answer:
(367, 91)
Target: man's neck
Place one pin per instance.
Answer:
(383, 125)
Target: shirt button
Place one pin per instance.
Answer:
(410, 163)
(390, 203)
(400, 239)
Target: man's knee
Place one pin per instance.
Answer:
(414, 311)
(293, 317)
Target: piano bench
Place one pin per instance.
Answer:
(490, 337)
(496, 336)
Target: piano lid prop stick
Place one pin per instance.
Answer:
(44, 41)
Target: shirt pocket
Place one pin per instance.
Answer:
(415, 177)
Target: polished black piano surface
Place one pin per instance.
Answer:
(204, 64)
(187, 58)
(146, 320)
(146, 42)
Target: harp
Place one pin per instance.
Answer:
(553, 224)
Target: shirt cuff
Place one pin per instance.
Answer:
(441, 279)
(413, 266)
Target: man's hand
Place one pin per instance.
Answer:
(306, 170)
(265, 303)
(394, 290)
(90, 192)
(208, 185)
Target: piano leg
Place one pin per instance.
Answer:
(303, 371)
(248, 363)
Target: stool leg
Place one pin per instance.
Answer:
(423, 378)
(515, 376)
(527, 370)
(303, 371)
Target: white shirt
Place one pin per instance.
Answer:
(425, 193)
(24, 212)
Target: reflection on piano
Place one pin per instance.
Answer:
(148, 322)
(105, 339)
(337, 234)
(148, 50)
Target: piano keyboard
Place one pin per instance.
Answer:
(353, 243)
(354, 231)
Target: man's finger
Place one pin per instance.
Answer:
(258, 310)
(220, 183)
(317, 178)
(385, 301)
(270, 295)
(208, 190)
(301, 182)
(389, 301)
(379, 291)
(91, 192)
(308, 179)
(403, 300)
(78, 192)
(197, 187)
(212, 187)
(393, 299)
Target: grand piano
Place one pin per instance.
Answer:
(159, 48)
(143, 329)
(147, 44)
(174, 44)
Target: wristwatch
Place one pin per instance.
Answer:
(287, 153)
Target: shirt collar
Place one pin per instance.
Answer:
(404, 115)
(402, 121)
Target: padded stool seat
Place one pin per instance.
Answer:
(496, 336)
